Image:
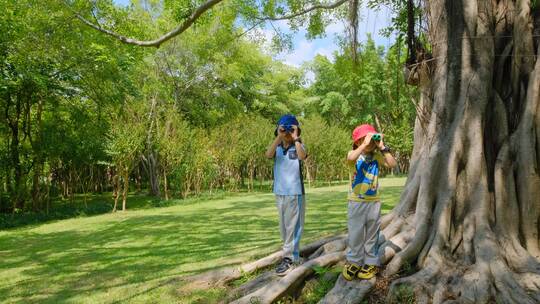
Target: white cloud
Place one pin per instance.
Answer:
(336, 27)
(306, 51)
(302, 52)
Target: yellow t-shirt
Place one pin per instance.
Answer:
(364, 178)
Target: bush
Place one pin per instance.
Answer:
(327, 147)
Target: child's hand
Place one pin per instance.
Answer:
(380, 143)
(281, 132)
(367, 139)
(294, 133)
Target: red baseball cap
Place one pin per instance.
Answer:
(362, 130)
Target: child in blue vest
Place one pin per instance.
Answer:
(288, 153)
(364, 211)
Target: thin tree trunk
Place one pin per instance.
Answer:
(126, 188)
(116, 190)
(150, 160)
(71, 186)
(36, 189)
(151, 167)
(48, 192)
(165, 186)
(138, 179)
(38, 157)
(16, 194)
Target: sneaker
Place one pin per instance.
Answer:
(350, 271)
(284, 267)
(367, 272)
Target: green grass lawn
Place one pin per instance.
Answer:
(132, 257)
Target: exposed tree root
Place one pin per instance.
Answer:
(333, 246)
(263, 279)
(275, 290)
(348, 292)
(220, 277)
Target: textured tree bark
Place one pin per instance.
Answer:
(472, 201)
(350, 292)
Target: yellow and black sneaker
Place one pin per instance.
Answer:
(367, 272)
(350, 271)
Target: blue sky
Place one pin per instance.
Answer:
(372, 21)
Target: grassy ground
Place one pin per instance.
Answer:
(132, 257)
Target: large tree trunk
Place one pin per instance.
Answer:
(472, 199)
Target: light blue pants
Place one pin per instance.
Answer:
(291, 209)
(364, 223)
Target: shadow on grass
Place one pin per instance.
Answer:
(97, 204)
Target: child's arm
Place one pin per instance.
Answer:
(353, 155)
(271, 151)
(302, 155)
(389, 160)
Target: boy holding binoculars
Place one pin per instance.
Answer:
(368, 154)
(288, 153)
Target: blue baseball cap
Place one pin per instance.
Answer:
(287, 120)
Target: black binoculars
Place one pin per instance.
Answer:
(288, 128)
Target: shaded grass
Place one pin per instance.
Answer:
(135, 256)
(100, 204)
(82, 205)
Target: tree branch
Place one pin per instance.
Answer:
(157, 42)
(192, 18)
(318, 6)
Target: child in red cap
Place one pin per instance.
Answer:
(368, 154)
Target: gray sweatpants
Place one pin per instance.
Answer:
(364, 223)
(291, 209)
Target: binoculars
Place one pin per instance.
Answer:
(288, 128)
(376, 137)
